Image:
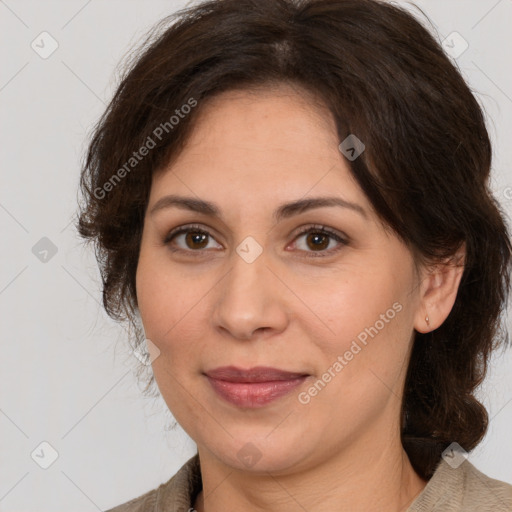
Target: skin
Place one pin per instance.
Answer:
(295, 307)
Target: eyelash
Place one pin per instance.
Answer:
(317, 229)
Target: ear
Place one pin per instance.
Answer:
(438, 291)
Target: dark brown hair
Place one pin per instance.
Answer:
(425, 169)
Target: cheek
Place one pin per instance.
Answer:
(175, 309)
(163, 297)
(165, 316)
(361, 366)
(365, 331)
(169, 306)
(356, 304)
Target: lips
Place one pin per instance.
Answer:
(256, 374)
(255, 387)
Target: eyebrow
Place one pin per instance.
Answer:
(282, 212)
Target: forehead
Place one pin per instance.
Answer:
(265, 142)
(281, 117)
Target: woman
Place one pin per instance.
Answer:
(292, 199)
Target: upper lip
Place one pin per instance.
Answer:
(256, 374)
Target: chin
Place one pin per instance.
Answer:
(279, 456)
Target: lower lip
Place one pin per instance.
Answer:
(254, 394)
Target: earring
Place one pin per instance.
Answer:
(427, 320)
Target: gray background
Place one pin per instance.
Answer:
(65, 376)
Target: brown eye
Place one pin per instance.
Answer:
(317, 241)
(189, 239)
(320, 240)
(196, 240)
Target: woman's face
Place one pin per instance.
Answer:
(337, 303)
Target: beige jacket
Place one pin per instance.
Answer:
(464, 489)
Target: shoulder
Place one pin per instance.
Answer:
(177, 493)
(487, 493)
(463, 489)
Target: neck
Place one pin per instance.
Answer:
(364, 477)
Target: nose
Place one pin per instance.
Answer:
(250, 299)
